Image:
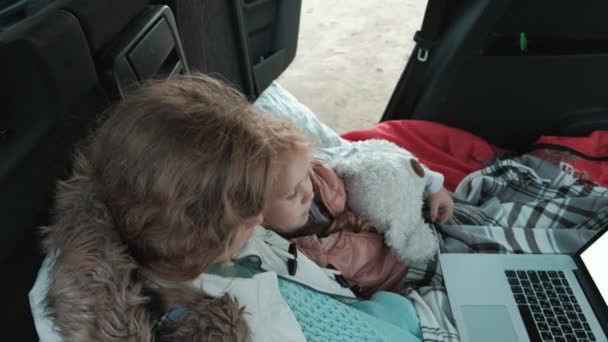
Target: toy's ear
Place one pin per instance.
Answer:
(417, 168)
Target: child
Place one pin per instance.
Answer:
(308, 207)
(173, 182)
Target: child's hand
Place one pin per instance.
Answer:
(441, 206)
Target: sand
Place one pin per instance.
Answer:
(350, 56)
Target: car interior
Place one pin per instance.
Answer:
(508, 71)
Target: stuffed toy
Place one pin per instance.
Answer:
(385, 184)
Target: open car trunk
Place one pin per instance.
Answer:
(507, 71)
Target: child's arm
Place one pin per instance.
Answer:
(441, 205)
(364, 261)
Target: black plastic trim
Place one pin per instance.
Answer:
(150, 47)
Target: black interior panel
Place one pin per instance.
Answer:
(50, 96)
(149, 47)
(510, 71)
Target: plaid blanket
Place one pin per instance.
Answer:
(520, 205)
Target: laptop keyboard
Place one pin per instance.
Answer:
(548, 306)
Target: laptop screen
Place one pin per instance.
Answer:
(594, 257)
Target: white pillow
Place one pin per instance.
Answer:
(279, 103)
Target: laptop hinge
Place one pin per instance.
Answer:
(593, 296)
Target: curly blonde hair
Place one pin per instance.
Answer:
(180, 164)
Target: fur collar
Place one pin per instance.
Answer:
(96, 290)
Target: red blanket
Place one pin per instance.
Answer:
(456, 153)
(587, 155)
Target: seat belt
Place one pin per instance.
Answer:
(425, 40)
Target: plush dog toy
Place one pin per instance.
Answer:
(385, 184)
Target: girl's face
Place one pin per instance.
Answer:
(290, 202)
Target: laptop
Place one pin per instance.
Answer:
(550, 297)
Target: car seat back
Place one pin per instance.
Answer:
(50, 93)
(55, 87)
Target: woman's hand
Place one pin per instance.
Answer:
(441, 206)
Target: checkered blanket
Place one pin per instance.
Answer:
(521, 205)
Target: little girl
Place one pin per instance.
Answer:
(172, 187)
(308, 206)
